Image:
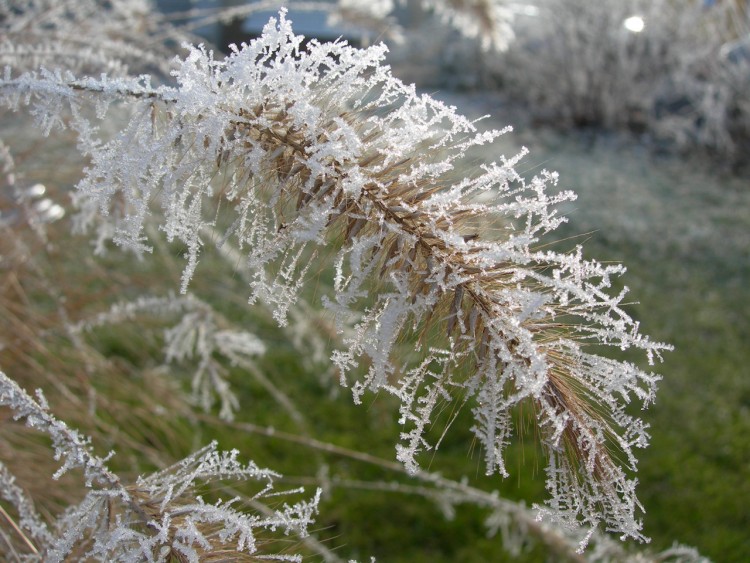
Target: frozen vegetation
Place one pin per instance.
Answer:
(359, 219)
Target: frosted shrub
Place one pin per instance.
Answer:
(85, 35)
(294, 154)
(576, 61)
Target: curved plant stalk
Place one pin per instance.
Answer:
(514, 520)
(324, 149)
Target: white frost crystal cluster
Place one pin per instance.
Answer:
(159, 517)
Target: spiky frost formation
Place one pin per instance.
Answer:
(160, 517)
(324, 147)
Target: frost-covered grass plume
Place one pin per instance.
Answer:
(300, 156)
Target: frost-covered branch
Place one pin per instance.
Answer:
(323, 148)
(70, 446)
(29, 521)
(158, 517)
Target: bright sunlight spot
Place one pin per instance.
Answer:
(636, 24)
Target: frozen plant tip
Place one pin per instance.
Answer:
(322, 151)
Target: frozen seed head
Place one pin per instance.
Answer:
(323, 148)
